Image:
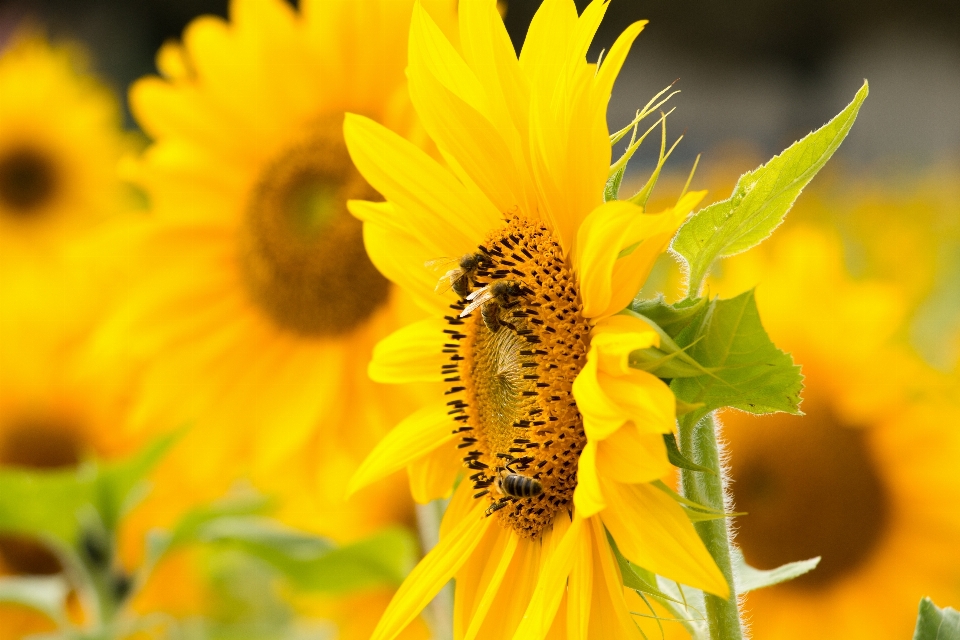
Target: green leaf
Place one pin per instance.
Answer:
(679, 460)
(382, 560)
(314, 564)
(672, 318)
(761, 198)
(120, 485)
(934, 623)
(265, 537)
(44, 504)
(750, 579)
(747, 371)
(190, 527)
(46, 594)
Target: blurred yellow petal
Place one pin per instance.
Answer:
(415, 437)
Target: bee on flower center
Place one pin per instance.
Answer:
(516, 344)
(461, 277)
(493, 299)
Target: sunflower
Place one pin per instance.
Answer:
(862, 478)
(561, 440)
(54, 414)
(60, 141)
(256, 306)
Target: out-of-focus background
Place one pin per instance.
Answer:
(862, 284)
(752, 73)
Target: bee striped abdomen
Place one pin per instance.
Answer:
(517, 486)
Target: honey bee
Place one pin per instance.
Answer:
(492, 299)
(460, 277)
(516, 485)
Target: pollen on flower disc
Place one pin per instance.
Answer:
(28, 180)
(302, 254)
(512, 383)
(810, 487)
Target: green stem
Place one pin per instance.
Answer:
(698, 442)
(440, 610)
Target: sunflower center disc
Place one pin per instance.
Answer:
(513, 362)
(27, 180)
(303, 254)
(38, 444)
(811, 488)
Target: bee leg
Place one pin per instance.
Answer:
(496, 506)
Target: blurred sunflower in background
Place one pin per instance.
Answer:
(60, 141)
(256, 307)
(863, 478)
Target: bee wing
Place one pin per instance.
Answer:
(445, 283)
(439, 263)
(477, 299)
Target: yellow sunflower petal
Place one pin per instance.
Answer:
(401, 257)
(588, 496)
(439, 212)
(488, 50)
(551, 585)
(411, 354)
(431, 51)
(433, 475)
(415, 437)
(580, 589)
(616, 337)
(630, 272)
(644, 399)
(610, 617)
(601, 415)
(653, 532)
(503, 559)
(471, 144)
(631, 457)
(435, 570)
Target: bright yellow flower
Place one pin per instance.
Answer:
(256, 307)
(60, 141)
(863, 477)
(561, 438)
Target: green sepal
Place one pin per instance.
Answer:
(679, 460)
(694, 510)
(934, 623)
(672, 318)
(612, 189)
(761, 198)
(746, 370)
(669, 360)
(751, 579)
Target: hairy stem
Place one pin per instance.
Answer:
(439, 612)
(698, 442)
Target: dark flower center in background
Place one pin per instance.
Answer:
(302, 252)
(810, 488)
(36, 444)
(28, 180)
